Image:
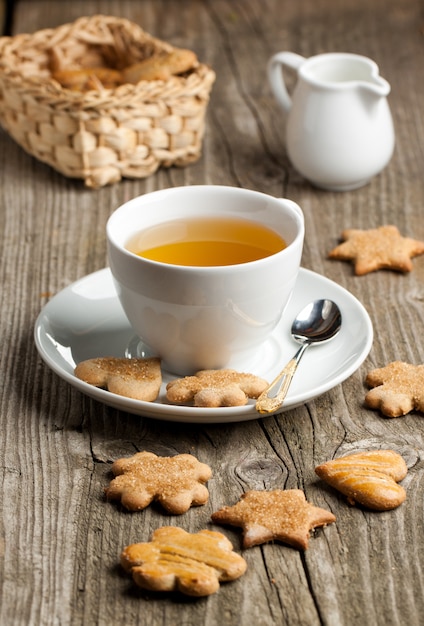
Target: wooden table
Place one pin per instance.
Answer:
(59, 540)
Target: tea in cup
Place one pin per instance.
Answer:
(204, 272)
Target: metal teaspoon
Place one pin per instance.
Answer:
(319, 321)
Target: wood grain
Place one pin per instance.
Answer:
(59, 540)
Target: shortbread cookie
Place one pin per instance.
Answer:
(134, 378)
(274, 515)
(377, 248)
(368, 478)
(214, 388)
(176, 560)
(160, 67)
(86, 79)
(176, 482)
(399, 389)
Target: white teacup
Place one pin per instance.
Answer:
(204, 317)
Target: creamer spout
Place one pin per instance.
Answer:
(377, 85)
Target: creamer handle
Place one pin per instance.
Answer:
(276, 76)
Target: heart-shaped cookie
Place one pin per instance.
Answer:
(368, 478)
(134, 378)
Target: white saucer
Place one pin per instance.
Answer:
(86, 320)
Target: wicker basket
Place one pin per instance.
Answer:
(100, 135)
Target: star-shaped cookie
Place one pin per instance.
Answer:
(398, 388)
(282, 515)
(176, 482)
(377, 248)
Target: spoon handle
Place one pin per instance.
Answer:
(273, 397)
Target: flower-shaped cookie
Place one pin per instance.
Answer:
(398, 389)
(269, 515)
(377, 248)
(193, 564)
(176, 482)
(214, 388)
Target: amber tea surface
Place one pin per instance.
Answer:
(206, 242)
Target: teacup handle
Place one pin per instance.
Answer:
(276, 77)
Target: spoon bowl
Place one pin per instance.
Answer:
(318, 322)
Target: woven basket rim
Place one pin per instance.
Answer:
(51, 91)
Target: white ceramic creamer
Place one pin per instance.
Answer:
(339, 128)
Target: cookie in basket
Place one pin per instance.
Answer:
(157, 67)
(160, 67)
